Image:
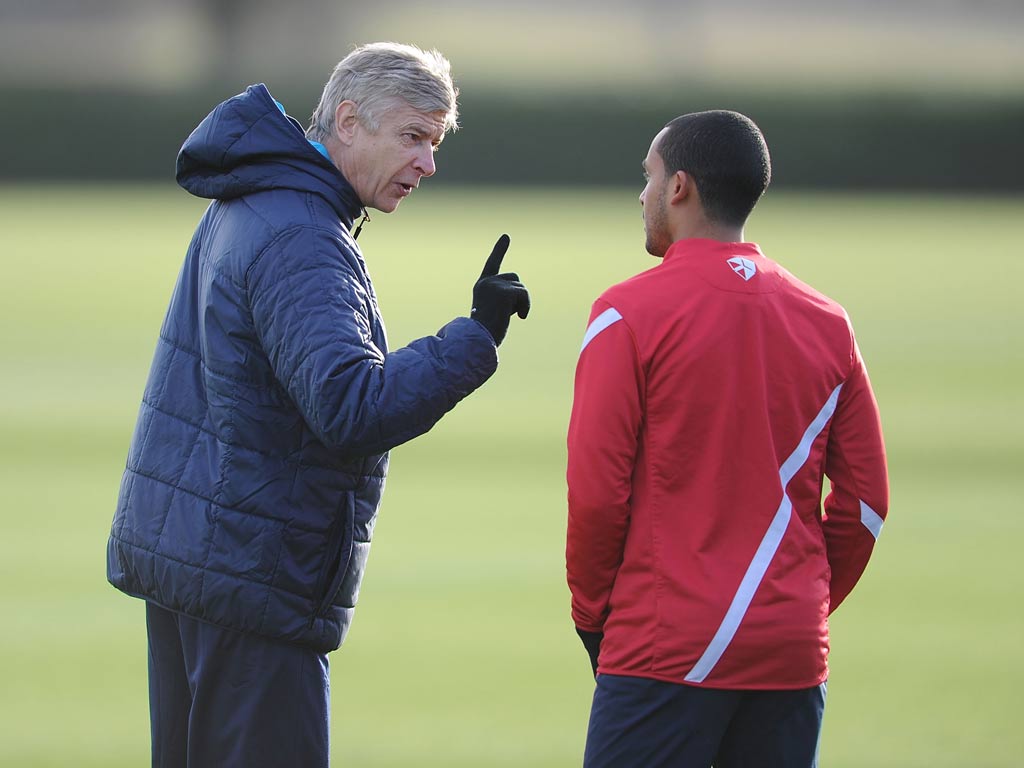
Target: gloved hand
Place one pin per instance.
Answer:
(496, 297)
(592, 642)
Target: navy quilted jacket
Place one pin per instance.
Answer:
(258, 460)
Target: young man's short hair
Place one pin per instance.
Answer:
(727, 157)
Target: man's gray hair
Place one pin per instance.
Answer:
(375, 75)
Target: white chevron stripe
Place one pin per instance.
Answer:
(765, 551)
(871, 519)
(602, 321)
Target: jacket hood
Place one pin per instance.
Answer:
(247, 144)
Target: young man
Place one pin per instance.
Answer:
(713, 393)
(258, 461)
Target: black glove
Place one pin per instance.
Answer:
(592, 642)
(496, 297)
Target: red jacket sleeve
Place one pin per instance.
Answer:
(602, 443)
(859, 499)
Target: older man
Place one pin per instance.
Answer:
(258, 461)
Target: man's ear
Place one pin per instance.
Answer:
(680, 186)
(346, 121)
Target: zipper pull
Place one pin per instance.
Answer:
(359, 227)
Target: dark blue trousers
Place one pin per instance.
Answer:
(223, 699)
(640, 723)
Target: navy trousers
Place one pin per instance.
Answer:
(641, 723)
(223, 699)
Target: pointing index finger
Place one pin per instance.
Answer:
(493, 263)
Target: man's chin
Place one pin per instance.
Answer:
(385, 206)
(657, 250)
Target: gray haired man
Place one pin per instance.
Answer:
(258, 460)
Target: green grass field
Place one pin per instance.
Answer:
(462, 653)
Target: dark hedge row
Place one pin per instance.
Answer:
(840, 141)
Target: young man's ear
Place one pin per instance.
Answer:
(346, 121)
(681, 186)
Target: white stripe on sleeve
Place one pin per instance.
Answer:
(765, 551)
(871, 519)
(602, 321)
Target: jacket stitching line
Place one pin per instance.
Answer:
(273, 576)
(206, 262)
(265, 585)
(248, 128)
(207, 367)
(277, 238)
(301, 364)
(188, 492)
(288, 460)
(180, 347)
(225, 462)
(175, 487)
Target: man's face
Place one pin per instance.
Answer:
(653, 201)
(387, 165)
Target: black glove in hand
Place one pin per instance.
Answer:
(592, 642)
(497, 297)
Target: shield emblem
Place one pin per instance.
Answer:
(745, 268)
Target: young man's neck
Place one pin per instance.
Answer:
(706, 230)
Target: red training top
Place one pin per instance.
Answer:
(712, 394)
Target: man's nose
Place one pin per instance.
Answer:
(425, 161)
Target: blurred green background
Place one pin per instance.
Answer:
(462, 652)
